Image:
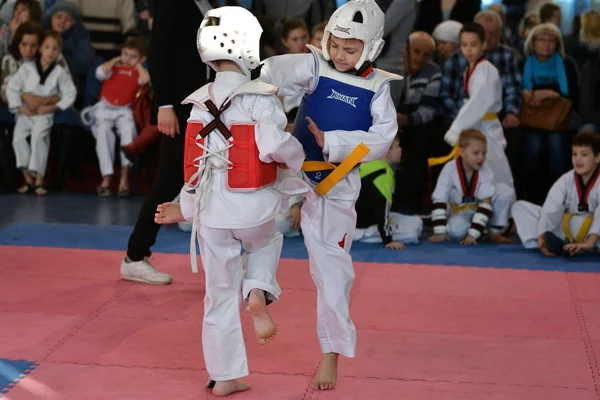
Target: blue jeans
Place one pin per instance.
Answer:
(556, 145)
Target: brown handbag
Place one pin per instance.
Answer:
(550, 115)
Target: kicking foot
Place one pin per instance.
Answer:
(224, 388)
(327, 373)
(263, 323)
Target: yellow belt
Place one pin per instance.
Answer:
(490, 117)
(443, 160)
(583, 231)
(339, 171)
(458, 208)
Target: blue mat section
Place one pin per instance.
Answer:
(175, 241)
(12, 371)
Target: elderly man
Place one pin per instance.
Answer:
(501, 56)
(447, 38)
(416, 106)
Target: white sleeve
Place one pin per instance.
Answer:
(274, 144)
(101, 75)
(339, 144)
(186, 202)
(291, 73)
(553, 209)
(487, 188)
(15, 87)
(482, 88)
(67, 90)
(441, 192)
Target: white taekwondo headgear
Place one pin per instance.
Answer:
(357, 19)
(230, 33)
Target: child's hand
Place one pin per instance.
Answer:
(542, 247)
(295, 216)
(395, 246)
(319, 134)
(26, 111)
(31, 101)
(576, 248)
(168, 213)
(46, 109)
(469, 241)
(439, 237)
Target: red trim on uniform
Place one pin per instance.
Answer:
(367, 72)
(583, 189)
(468, 74)
(468, 188)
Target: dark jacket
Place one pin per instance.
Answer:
(590, 93)
(175, 67)
(430, 13)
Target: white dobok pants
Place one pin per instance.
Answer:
(459, 224)
(105, 119)
(405, 229)
(328, 227)
(222, 338)
(527, 216)
(34, 157)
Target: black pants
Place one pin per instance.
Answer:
(8, 163)
(167, 186)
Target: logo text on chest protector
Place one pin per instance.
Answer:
(342, 97)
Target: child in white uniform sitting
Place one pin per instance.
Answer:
(45, 78)
(467, 192)
(569, 221)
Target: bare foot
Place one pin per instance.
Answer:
(263, 323)
(224, 388)
(499, 239)
(327, 373)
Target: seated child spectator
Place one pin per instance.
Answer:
(122, 76)
(569, 221)
(374, 221)
(467, 191)
(44, 78)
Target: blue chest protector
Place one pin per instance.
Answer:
(340, 101)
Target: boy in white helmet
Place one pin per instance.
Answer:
(235, 141)
(346, 117)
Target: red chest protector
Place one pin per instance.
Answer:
(248, 172)
(122, 86)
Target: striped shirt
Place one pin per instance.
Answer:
(419, 99)
(452, 91)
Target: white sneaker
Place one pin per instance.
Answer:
(143, 271)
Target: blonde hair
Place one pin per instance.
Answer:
(469, 135)
(544, 29)
(590, 28)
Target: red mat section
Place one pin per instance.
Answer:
(424, 332)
